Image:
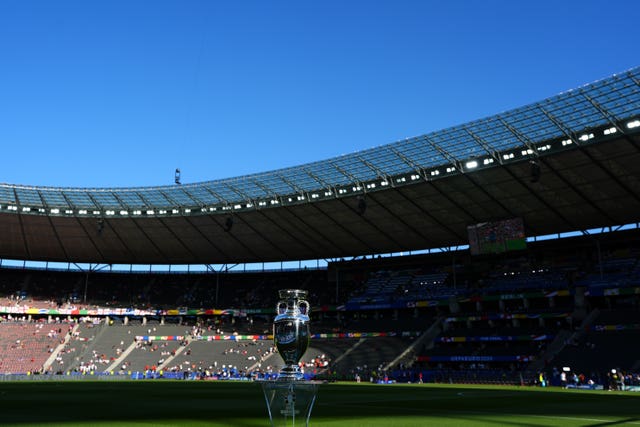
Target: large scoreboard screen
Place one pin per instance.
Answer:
(497, 236)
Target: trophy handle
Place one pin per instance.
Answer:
(281, 307)
(303, 307)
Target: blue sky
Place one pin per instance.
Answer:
(120, 93)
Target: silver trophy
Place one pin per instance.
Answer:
(291, 331)
(290, 398)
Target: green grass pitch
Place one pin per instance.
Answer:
(211, 403)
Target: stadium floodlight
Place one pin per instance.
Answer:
(566, 142)
(633, 124)
(610, 131)
(55, 211)
(471, 164)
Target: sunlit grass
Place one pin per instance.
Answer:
(210, 403)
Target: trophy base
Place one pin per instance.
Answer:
(290, 373)
(289, 402)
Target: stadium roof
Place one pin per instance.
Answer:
(569, 162)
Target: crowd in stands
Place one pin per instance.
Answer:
(519, 305)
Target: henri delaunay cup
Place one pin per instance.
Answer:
(291, 331)
(290, 397)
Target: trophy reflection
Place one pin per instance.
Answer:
(290, 398)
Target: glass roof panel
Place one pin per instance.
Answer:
(301, 179)
(28, 197)
(458, 143)
(155, 198)
(130, 199)
(225, 191)
(354, 167)
(385, 160)
(421, 153)
(179, 197)
(201, 194)
(328, 173)
(53, 198)
(79, 199)
(273, 184)
(247, 188)
(7, 195)
(106, 199)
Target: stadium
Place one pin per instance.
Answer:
(503, 251)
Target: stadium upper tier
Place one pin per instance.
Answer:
(608, 106)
